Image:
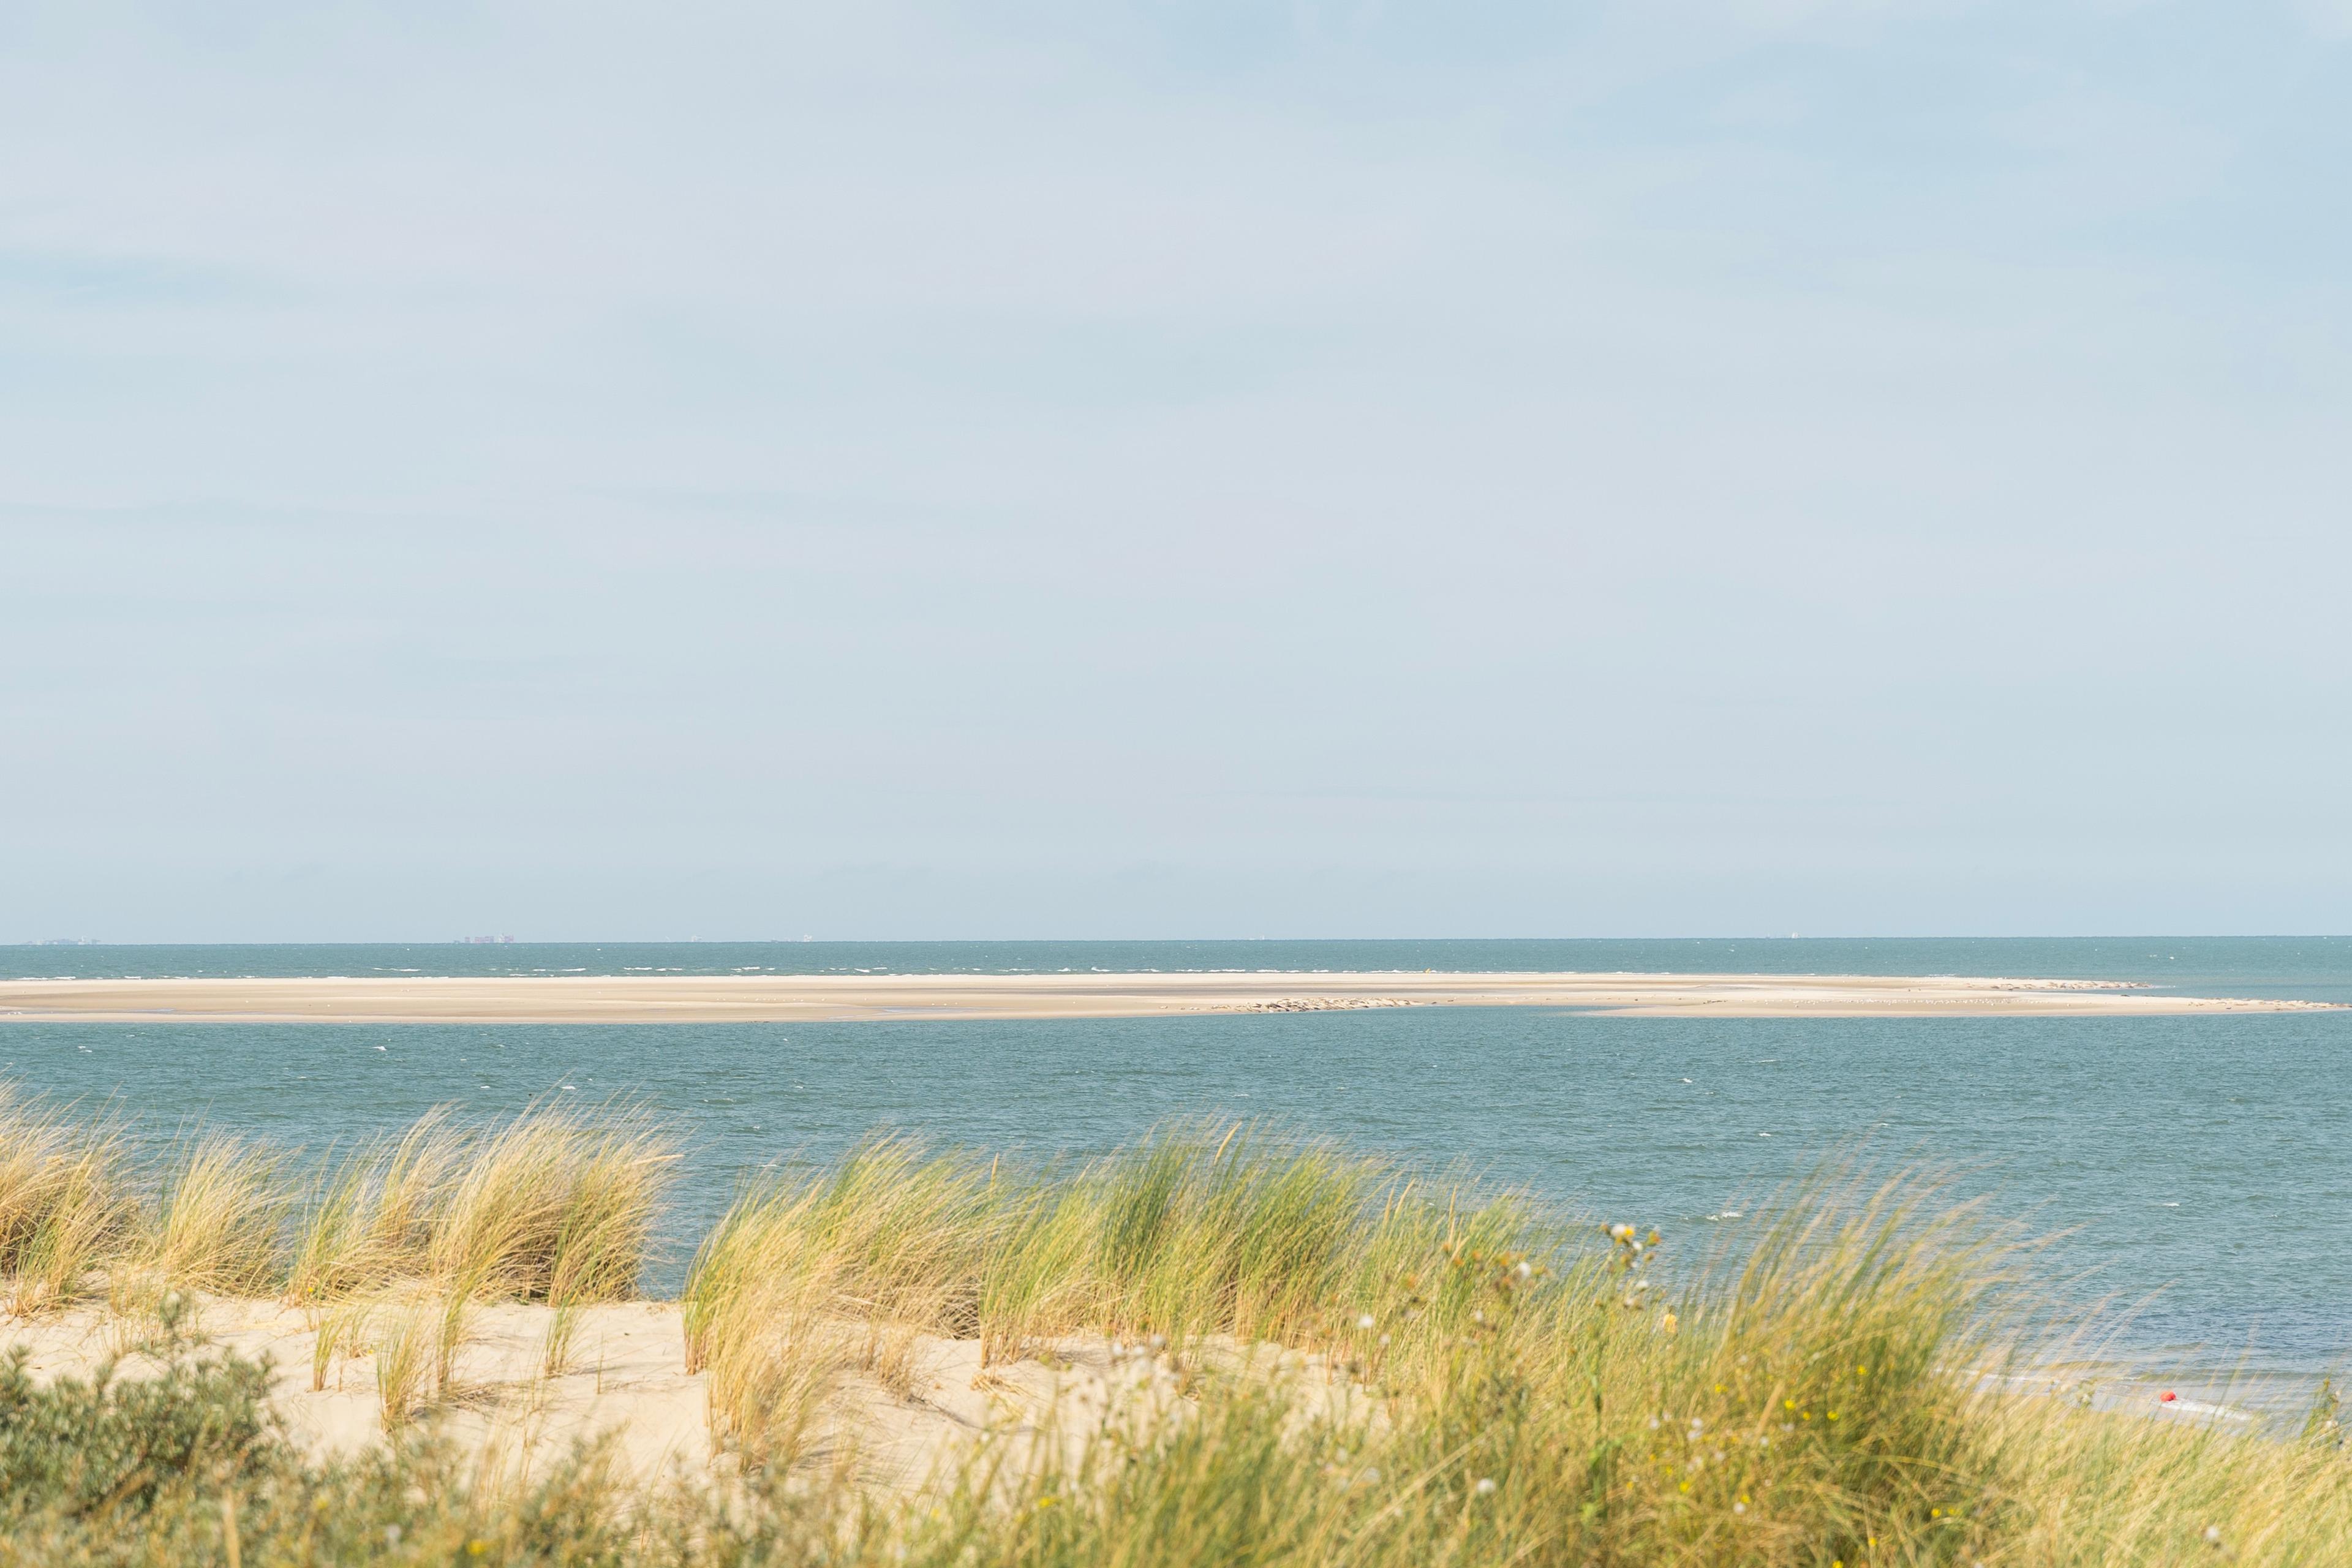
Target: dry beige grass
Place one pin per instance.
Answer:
(405, 1232)
(65, 1204)
(220, 1224)
(1202, 1231)
(549, 1204)
(404, 1351)
(552, 1205)
(369, 1220)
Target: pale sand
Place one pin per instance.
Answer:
(629, 1381)
(650, 999)
(629, 1385)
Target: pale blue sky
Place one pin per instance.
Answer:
(1690, 467)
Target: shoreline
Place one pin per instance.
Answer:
(836, 998)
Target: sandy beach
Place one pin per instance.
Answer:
(648, 999)
(628, 1380)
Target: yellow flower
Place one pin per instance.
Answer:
(475, 1548)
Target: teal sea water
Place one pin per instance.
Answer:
(2202, 1167)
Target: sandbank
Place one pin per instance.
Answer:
(803, 998)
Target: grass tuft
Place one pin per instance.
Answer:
(220, 1225)
(403, 1350)
(548, 1206)
(64, 1204)
(553, 1204)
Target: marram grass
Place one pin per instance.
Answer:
(552, 1205)
(220, 1223)
(1516, 1391)
(1819, 1395)
(65, 1201)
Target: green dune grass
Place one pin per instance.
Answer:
(1518, 1390)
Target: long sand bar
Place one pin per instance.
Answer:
(650, 999)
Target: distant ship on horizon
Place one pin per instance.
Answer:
(483, 941)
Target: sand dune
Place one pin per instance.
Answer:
(643, 999)
(628, 1381)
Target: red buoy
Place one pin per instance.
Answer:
(2166, 1397)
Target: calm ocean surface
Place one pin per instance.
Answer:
(2202, 1165)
